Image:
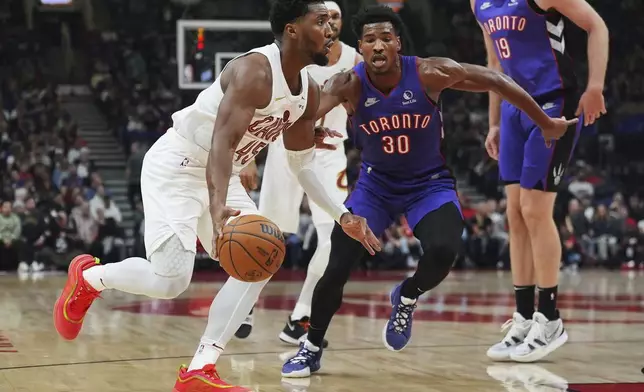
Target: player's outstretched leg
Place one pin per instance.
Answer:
(297, 325)
(523, 278)
(165, 276)
(439, 233)
(327, 298)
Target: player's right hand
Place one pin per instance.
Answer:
(557, 127)
(356, 227)
(321, 133)
(492, 142)
(249, 177)
(219, 216)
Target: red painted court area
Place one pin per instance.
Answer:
(5, 345)
(454, 307)
(623, 387)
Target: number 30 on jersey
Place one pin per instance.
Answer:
(395, 144)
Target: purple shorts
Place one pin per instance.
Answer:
(523, 156)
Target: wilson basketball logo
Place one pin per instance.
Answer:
(272, 231)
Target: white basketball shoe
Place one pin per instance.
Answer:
(545, 336)
(518, 328)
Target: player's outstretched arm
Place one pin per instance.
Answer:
(340, 89)
(439, 74)
(299, 140)
(247, 87)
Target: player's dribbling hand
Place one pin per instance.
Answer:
(556, 128)
(592, 105)
(219, 215)
(356, 227)
(492, 142)
(322, 133)
(249, 177)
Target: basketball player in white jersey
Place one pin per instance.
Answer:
(281, 194)
(191, 187)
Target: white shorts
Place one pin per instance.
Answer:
(175, 195)
(281, 193)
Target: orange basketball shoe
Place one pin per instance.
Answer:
(77, 297)
(203, 380)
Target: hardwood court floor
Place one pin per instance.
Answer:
(131, 343)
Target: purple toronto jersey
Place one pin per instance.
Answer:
(399, 133)
(530, 44)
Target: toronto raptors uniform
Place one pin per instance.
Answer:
(175, 195)
(281, 194)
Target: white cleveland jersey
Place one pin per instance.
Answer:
(336, 119)
(196, 122)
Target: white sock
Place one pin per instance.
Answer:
(133, 275)
(229, 309)
(94, 276)
(407, 301)
(311, 346)
(207, 353)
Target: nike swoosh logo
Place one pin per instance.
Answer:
(279, 99)
(291, 326)
(554, 336)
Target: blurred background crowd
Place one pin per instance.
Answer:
(85, 94)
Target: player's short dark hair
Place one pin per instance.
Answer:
(376, 14)
(284, 12)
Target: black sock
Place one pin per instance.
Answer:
(524, 297)
(410, 289)
(548, 302)
(316, 336)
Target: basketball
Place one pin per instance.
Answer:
(251, 249)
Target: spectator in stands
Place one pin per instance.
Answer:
(133, 173)
(99, 202)
(636, 208)
(87, 227)
(10, 232)
(34, 237)
(483, 249)
(578, 227)
(572, 253)
(605, 231)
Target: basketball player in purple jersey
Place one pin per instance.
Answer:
(525, 39)
(398, 127)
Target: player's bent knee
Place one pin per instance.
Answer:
(169, 287)
(443, 253)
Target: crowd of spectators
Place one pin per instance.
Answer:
(132, 74)
(54, 204)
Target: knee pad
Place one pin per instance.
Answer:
(172, 265)
(170, 287)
